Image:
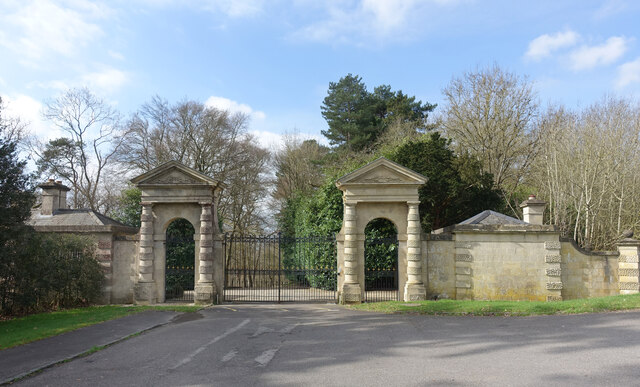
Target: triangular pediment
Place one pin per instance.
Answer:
(174, 173)
(382, 171)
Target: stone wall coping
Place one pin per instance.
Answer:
(629, 242)
(588, 252)
(501, 228)
(84, 229)
(437, 237)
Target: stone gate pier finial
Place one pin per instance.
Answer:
(533, 210)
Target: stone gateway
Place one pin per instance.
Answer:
(490, 256)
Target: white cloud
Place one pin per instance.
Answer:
(34, 29)
(115, 55)
(588, 57)
(275, 141)
(233, 106)
(544, 45)
(29, 111)
(231, 8)
(388, 15)
(610, 8)
(235, 8)
(354, 22)
(106, 81)
(628, 73)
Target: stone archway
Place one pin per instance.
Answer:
(380, 189)
(172, 191)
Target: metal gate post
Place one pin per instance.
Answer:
(279, 266)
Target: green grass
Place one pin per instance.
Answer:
(26, 329)
(504, 308)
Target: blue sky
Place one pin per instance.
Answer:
(274, 59)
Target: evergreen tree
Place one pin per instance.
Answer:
(357, 117)
(456, 189)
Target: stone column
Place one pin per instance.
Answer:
(553, 270)
(414, 288)
(205, 290)
(145, 289)
(628, 267)
(351, 292)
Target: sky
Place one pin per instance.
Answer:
(274, 59)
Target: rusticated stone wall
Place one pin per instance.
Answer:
(530, 263)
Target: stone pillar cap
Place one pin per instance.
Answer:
(54, 184)
(629, 241)
(533, 201)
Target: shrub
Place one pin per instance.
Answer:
(49, 271)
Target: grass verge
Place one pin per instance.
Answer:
(504, 308)
(26, 329)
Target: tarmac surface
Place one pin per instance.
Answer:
(19, 361)
(324, 344)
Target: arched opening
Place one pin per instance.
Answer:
(180, 261)
(381, 261)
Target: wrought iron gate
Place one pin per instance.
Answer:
(381, 269)
(276, 268)
(180, 269)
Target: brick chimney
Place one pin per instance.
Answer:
(54, 196)
(533, 210)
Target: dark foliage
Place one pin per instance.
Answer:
(49, 271)
(456, 188)
(180, 257)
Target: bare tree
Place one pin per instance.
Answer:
(297, 167)
(490, 115)
(212, 141)
(587, 170)
(92, 138)
(11, 128)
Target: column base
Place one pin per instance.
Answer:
(205, 294)
(415, 292)
(351, 294)
(144, 293)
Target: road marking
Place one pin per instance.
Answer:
(215, 340)
(266, 356)
(226, 307)
(289, 328)
(261, 330)
(229, 355)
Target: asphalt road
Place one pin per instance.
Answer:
(325, 345)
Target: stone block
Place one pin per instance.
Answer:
(414, 270)
(415, 292)
(144, 293)
(628, 258)
(463, 284)
(553, 258)
(463, 270)
(351, 294)
(464, 258)
(552, 245)
(350, 271)
(103, 257)
(205, 294)
(628, 272)
(554, 285)
(554, 298)
(553, 272)
(463, 245)
(629, 286)
(104, 244)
